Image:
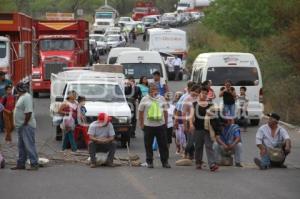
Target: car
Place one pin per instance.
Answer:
(125, 20)
(101, 43)
(116, 40)
(113, 31)
(150, 20)
(195, 16)
(169, 19)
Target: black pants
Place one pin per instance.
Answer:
(104, 148)
(190, 144)
(161, 136)
(177, 71)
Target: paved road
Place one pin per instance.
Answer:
(79, 181)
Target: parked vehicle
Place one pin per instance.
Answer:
(151, 20)
(192, 5)
(168, 40)
(142, 63)
(113, 31)
(60, 44)
(16, 36)
(241, 68)
(114, 41)
(105, 16)
(169, 19)
(114, 53)
(143, 9)
(104, 92)
(101, 43)
(125, 20)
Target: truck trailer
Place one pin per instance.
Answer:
(16, 46)
(60, 44)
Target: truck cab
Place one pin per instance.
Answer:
(143, 9)
(105, 17)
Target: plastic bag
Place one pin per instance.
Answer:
(154, 145)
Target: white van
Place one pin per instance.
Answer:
(142, 63)
(114, 52)
(168, 40)
(241, 68)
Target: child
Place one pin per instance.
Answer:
(9, 102)
(170, 124)
(180, 138)
(243, 106)
(81, 110)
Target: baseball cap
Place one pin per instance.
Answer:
(274, 116)
(103, 117)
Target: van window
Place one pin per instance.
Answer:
(240, 76)
(112, 60)
(197, 76)
(141, 69)
(2, 49)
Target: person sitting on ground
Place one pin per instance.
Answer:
(229, 142)
(102, 139)
(274, 144)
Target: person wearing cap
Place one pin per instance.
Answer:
(273, 142)
(102, 139)
(25, 125)
(161, 85)
(3, 83)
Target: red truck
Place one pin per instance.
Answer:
(143, 9)
(16, 46)
(60, 44)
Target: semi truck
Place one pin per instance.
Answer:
(192, 5)
(60, 44)
(105, 17)
(16, 46)
(143, 9)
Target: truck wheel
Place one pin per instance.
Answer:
(58, 133)
(254, 122)
(35, 94)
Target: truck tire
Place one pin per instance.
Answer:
(35, 94)
(59, 133)
(254, 122)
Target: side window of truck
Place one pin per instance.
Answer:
(197, 77)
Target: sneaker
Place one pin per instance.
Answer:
(214, 168)
(166, 165)
(238, 165)
(18, 168)
(93, 165)
(258, 163)
(33, 168)
(150, 166)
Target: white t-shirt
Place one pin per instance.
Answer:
(177, 62)
(264, 136)
(97, 130)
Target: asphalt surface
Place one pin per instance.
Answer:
(79, 181)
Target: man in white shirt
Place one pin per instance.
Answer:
(177, 63)
(269, 138)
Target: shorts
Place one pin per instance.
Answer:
(169, 135)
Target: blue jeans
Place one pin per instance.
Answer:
(229, 110)
(26, 146)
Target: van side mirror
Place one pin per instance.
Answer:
(59, 99)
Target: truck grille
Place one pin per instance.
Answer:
(53, 67)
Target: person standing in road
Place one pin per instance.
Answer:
(274, 144)
(153, 117)
(3, 83)
(143, 85)
(211, 93)
(102, 139)
(201, 135)
(133, 95)
(177, 64)
(229, 96)
(161, 85)
(25, 124)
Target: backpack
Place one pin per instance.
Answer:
(154, 112)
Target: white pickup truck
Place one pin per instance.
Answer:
(104, 92)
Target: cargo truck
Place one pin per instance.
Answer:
(143, 9)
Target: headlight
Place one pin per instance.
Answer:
(123, 120)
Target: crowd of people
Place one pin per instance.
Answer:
(190, 117)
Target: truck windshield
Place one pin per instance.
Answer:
(240, 76)
(2, 49)
(99, 92)
(149, 20)
(104, 15)
(183, 5)
(141, 69)
(57, 44)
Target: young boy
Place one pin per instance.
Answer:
(81, 110)
(9, 102)
(243, 106)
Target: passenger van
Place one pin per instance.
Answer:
(241, 68)
(142, 63)
(114, 52)
(168, 40)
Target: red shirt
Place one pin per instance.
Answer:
(9, 102)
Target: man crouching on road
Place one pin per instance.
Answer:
(274, 144)
(102, 137)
